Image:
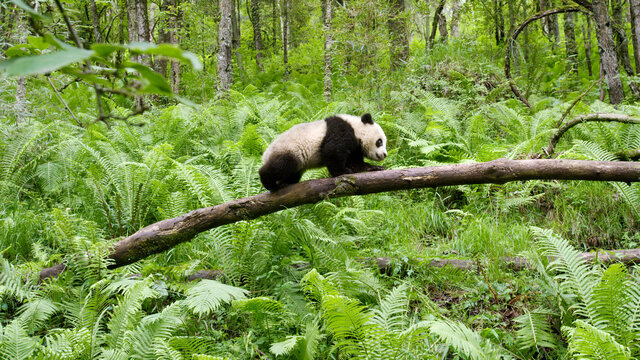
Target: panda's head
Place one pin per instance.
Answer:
(371, 137)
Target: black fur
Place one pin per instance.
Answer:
(341, 151)
(280, 172)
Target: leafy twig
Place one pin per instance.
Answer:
(576, 101)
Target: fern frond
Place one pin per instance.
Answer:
(464, 340)
(16, 343)
(207, 296)
(392, 312)
(589, 342)
(68, 344)
(34, 313)
(575, 276)
(534, 330)
(286, 346)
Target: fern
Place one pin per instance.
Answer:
(589, 342)
(465, 341)
(534, 330)
(208, 295)
(15, 344)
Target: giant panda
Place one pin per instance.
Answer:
(338, 142)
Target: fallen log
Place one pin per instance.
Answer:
(165, 234)
(386, 264)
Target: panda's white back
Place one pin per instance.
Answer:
(303, 141)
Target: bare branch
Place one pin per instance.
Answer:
(602, 117)
(166, 234)
(63, 102)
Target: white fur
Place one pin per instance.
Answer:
(304, 141)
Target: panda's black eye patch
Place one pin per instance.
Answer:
(379, 143)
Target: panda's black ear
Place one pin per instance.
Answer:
(367, 119)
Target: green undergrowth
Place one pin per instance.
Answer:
(301, 283)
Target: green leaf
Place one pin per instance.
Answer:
(22, 5)
(208, 295)
(152, 82)
(41, 64)
(38, 42)
(167, 50)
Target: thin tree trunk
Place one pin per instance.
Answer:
(512, 16)
(97, 37)
(622, 43)
(587, 45)
(236, 39)
(168, 233)
(175, 40)
(499, 22)
(328, 41)
(607, 50)
(634, 9)
(399, 44)
(225, 34)
(164, 35)
(434, 25)
(285, 42)
(570, 42)
(257, 31)
(138, 21)
(20, 33)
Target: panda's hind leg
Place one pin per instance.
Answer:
(280, 172)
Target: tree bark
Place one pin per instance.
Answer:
(225, 74)
(138, 21)
(20, 33)
(257, 31)
(442, 27)
(570, 43)
(455, 18)
(434, 25)
(236, 37)
(285, 42)
(97, 37)
(607, 50)
(176, 24)
(166, 234)
(328, 42)
(587, 45)
(634, 9)
(622, 43)
(498, 21)
(399, 44)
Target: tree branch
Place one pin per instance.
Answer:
(63, 102)
(168, 233)
(602, 117)
(512, 40)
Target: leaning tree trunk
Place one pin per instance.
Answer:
(634, 9)
(399, 45)
(168, 233)
(257, 31)
(328, 41)
(570, 43)
(225, 75)
(607, 50)
(434, 25)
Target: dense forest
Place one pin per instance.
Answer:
(133, 223)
